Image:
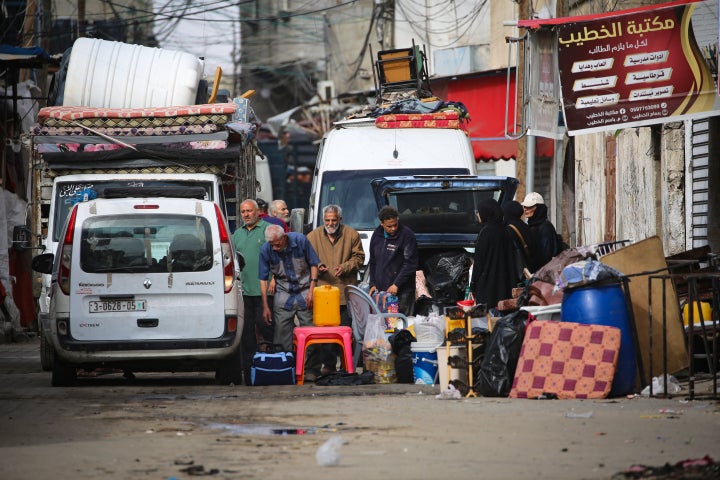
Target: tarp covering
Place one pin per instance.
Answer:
(142, 156)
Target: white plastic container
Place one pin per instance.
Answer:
(454, 373)
(121, 75)
(425, 362)
(545, 312)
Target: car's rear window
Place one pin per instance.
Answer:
(146, 243)
(440, 211)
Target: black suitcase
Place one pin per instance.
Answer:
(272, 366)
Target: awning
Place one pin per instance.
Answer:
(484, 96)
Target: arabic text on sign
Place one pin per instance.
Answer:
(597, 100)
(593, 65)
(595, 83)
(640, 28)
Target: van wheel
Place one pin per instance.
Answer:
(46, 353)
(230, 370)
(63, 375)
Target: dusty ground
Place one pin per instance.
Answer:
(159, 425)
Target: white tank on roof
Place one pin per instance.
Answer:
(109, 74)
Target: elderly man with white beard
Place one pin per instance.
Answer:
(341, 255)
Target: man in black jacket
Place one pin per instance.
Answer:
(394, 259)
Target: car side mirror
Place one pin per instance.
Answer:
(240, 260)
(43, 263)
(21, 238)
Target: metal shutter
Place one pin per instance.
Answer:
(699, 171)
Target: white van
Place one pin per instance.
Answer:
(144, 284)
(356, 151)
(67, 190)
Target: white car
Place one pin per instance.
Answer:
(144, 284)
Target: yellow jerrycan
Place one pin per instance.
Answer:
(698, 307)
(326, 306)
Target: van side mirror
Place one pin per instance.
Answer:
(297, 220)
(240, 261)
(43, 263)
(21, 238)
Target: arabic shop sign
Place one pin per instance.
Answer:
(632, 69)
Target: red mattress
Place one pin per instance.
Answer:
(566, 359)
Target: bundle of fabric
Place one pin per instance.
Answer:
(129, 118)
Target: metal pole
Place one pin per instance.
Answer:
(530, 165)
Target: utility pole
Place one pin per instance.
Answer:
(81, 18)
(521, 159)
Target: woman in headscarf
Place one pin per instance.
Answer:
(493, 274)
(520, 234)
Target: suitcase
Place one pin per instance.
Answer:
(272, 366)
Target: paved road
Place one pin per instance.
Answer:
(159, 426)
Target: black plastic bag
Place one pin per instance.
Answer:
(403, 356)
(502, 352)
(454, 263)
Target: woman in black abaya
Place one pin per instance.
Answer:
(492, 277)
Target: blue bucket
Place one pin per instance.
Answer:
(605, 305)
(425, 362)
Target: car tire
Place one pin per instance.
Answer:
(47, 353)
(230, 371)
(63, 374)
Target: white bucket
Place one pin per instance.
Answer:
(445, 373)
(545, 312)
(425, 362)
(120, 75)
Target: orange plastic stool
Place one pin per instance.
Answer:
(303, 337)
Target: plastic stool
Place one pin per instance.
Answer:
(303, 337)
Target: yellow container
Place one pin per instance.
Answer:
(706, 310)
(452, 324)
(326, 306)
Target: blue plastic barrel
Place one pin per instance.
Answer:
(605, 305)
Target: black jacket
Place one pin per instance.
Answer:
(393, 260)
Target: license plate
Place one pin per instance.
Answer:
(110, 306)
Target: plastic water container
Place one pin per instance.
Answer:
(699, 308)
(326, 306)
(109, 74)
(425, 362)
(605, 305)
(454, 373)
(545, 312)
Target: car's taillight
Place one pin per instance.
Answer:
(231, 324)
(228, 260)
(65, 251)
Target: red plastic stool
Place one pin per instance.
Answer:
(303, 337)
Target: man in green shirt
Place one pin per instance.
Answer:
(248, 240)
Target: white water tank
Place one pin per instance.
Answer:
(109, 74)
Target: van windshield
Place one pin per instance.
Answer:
(352, 191)
(146, 243)
(67, 194)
